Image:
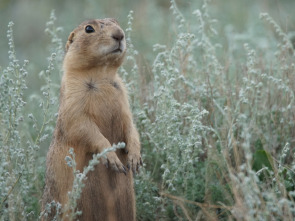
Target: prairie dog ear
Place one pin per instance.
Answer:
(70, 40)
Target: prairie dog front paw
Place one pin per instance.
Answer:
(134, 162)
(114, 163)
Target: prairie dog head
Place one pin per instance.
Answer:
(95, 43)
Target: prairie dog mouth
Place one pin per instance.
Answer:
(118, 50)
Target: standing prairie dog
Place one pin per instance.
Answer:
(94, 113)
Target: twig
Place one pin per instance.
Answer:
(201, 205)
(181, 205)
(5, 198)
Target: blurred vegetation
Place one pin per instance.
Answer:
(152, 22)
(211, 86)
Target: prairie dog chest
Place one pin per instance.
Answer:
(96, 98)
(102, 96)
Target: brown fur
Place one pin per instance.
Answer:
(94, 113)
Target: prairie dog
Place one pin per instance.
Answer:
(94, 113)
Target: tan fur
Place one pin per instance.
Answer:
(94, 113)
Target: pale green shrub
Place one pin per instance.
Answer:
(22, 170)
(194, 108)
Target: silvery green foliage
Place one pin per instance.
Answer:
(170, 122)
(14, 157)
(21, 136)
(48, 209)
(194, 106)
(260, 119)
(57, 45)
(285, 45)
(131, 77)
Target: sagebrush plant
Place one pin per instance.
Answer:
(217, 129)
(16, 162)
(210, 135)
(22, 135)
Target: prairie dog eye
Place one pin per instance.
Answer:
(89, 29)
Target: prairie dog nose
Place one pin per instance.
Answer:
(118, 35)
